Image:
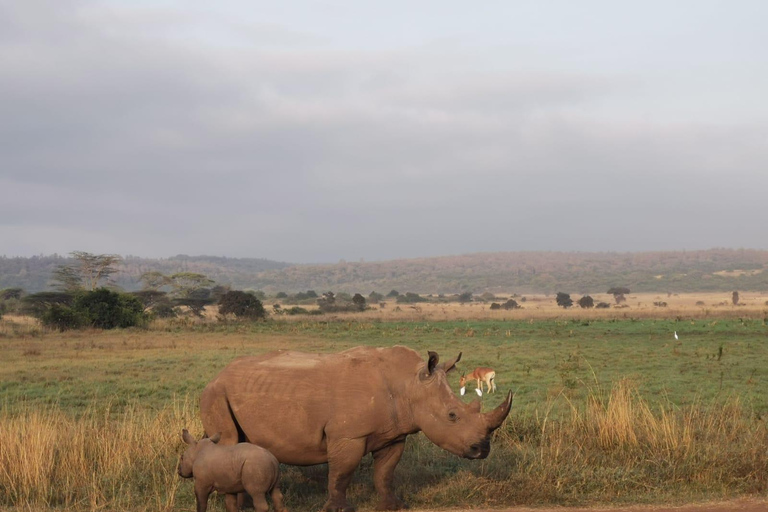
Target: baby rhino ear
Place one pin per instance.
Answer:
(216, 437)
(187, 437)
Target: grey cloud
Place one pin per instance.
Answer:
(128, 136)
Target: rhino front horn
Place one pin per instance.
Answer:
(497, 416)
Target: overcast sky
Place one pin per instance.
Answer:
(316, 131)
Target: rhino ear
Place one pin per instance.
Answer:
(216, 437)
(450, 365)
(433, 359)
(187, 437)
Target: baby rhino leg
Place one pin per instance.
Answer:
(277, 499)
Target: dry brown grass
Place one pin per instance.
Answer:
(544, 307)
(612, 448)
(92, 462)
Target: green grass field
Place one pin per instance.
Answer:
(605, 410)
(711, 361)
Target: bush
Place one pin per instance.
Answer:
(511, 304)
(465, 297)
(106, 309)
(586, 302)
(602, 305)
(410, 298)
(296, 310)
(242, 305)
(63, 317)
(359, 302)
(495, 306)
(564, 300)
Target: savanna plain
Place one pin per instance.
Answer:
(610, 408)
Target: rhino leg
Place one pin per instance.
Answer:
(201, 497)
(384, 462)
(277, 499)
(343, 458)
(230, 502)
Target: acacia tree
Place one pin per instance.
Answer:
(619, 293)
(87, 271)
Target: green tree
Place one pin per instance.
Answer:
(564, 300)
(87, 272)
(242, 305)
(619, 293)
(107, 309)
(359, 302)
(192, 290)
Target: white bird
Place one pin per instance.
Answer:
(676, 336)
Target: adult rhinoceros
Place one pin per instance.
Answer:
(314, 408)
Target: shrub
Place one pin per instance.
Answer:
(495, 306)
(359, 301)
(564, 300)
(602, 305)
(465, 297)
(410, 298)
(586, 302)
(63, 317)
(242, 305)
(296, 310)
(106, 309)
(511, 304)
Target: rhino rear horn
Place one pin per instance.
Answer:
(497, 416)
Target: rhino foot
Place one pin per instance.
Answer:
(391, 503)
(330, 507)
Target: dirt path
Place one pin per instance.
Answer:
(730, 506)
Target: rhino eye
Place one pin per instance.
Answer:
(452, 416)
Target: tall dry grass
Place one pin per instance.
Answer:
(96, 461)
(614, 447)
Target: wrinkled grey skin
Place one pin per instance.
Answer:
(231, 470)
(310, 409)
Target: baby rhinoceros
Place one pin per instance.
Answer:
(230, 470)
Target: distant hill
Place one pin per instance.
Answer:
(535, 272)
(510, 272)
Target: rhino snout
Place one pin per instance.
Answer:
(479, 450)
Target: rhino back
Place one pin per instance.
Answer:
(290, 402)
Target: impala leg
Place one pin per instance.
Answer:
(384, 462)
(343, 458)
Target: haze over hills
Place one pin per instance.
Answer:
(517, 272)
